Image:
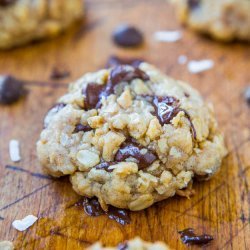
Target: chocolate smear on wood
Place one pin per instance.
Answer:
(189, 237)
(92, 207)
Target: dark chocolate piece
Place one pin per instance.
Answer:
(247, 95)
(122, 73)
(57, 73)
(189, 237)
(133, 150)
(11, 89)
(193, 4)
(114, 61)
(84, 128)
(92, 207)
(127, 36)
(7, 2)
(105, 166)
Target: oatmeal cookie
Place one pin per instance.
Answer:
(224, 20)
(130, 136)
(134, 244)
(23, 21)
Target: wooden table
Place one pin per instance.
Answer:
(220, 206)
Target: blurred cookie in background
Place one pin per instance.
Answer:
(23, 21)
(224, 20)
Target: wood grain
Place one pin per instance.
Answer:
(220, 206)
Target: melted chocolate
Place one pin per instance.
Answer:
(84, 128)
(7, 2)
(92, 207)
(129, 149)
(122, 73)
(114, 61)
(59, 73)
(193, 4)
(189, 237)
(127, 36)
(11, 89)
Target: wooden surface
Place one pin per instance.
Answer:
(220, 206)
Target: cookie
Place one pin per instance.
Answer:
(131, 136)
(225, 20)
(23, 21)
(135, 244)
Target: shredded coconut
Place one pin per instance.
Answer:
(25, 223)
(182, 59)
(199, 66)
(14, 150)
(168, 36)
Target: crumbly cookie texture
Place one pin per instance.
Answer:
(23, 21)
(224, 20)
(135, 244)
(131, 136)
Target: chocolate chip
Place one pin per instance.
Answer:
(54, 110)
(116, 61)
(11, 89)
(92, 207)
(145, 159)
(7, 2)
(84, 128)
(105, 166)
(119, 215)
(122, 73)
(193, 4)
(189, 237)
(57, 73)
(247, 94)
(127, 36)
(92, 93)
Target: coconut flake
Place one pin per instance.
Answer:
(14, 150)
(199, 66)
(6, 245)
(168, 36)
(182, 59)
(25, 223)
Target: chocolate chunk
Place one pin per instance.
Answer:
(132, 150)
(84, 128)
(105, 166)
(166, 107)
(193, 4)
(11, 89)
(92, 207)
(54, 110)
(247, 94)
(189, 237)
(7, 2)
(127, 36)
(119, 215)
(122, 73)
(92, 93)
(114, 61)
(122, 246)
(57, 73)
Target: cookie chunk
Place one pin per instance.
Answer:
(23, 21)
(224, 20)
(130, 136)
(135, 244)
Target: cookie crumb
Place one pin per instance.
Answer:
(168, 36)
(14, 150)
(195, 67)
(25, 223)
